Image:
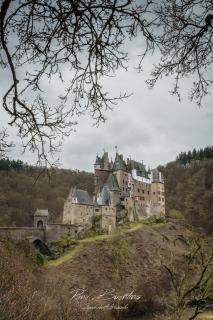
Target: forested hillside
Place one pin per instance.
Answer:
(195, 155)
(189, 190)
(21, 192)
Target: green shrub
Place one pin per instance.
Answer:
(64, 243)
(38, 258)
(91, 233)
(154, 220)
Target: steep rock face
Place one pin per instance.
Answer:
(130, 263)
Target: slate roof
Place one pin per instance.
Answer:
(119, 163)
(41, 212)
(112, 183)
(105, 196)
(82, 196)
(139, 167)
(98, 161)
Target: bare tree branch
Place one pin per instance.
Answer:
(40, 38)
(86, 37)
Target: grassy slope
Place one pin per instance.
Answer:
(81, 244)
(129, 261)
(136, 268)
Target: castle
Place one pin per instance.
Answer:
(125, 191)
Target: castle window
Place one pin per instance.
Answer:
(163, 199)
(143, 191)
(159, 199)
(143, 198)
(154, 192)
(148, 191)
(138, 190)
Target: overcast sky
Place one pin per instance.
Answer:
(151, 125)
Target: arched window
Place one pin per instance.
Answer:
(40, 224)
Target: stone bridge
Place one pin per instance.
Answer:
(42, 230)
(22, 233)
(50, 232)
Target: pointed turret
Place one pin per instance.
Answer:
(105, 160)
(119, 163)
(98, 162)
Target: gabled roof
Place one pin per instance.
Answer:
(82, 196)
(112, 183)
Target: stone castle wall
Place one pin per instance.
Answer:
(21, 233)
(100, 178)
(51, 232)
(108, 218)
(54, 231)
(75, 213)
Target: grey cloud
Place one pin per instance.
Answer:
(151, 125)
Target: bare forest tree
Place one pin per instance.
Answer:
(192, 285)
(5, 145)
(38, 38)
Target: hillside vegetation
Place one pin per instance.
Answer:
(189, 192)
(123, 264)
(24, 188)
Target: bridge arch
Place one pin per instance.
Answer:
(42, 247)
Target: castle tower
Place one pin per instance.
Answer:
(101, 173)
(157, 193)
(120, 171)
(41, 217)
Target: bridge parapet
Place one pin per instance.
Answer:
(22, 233)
